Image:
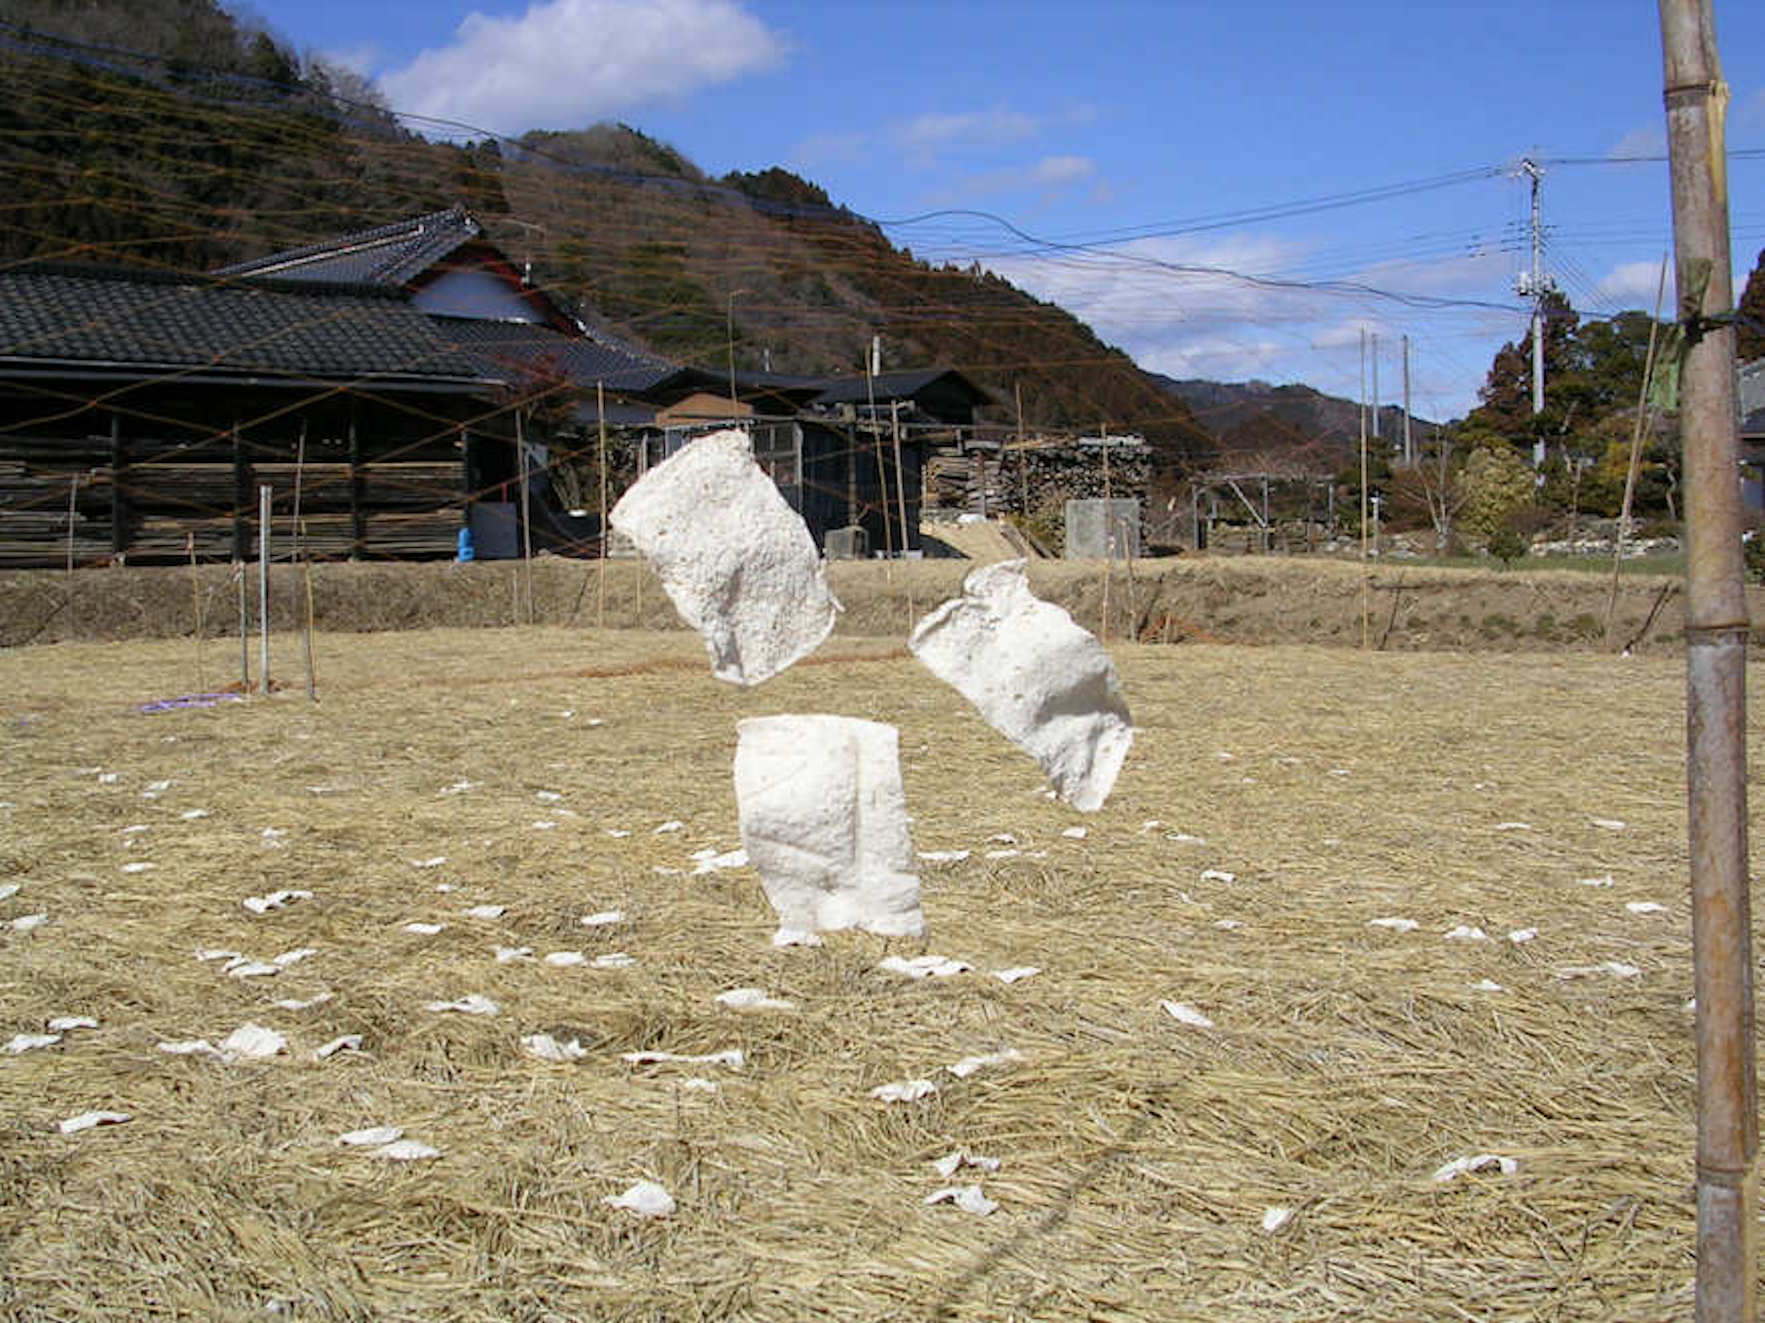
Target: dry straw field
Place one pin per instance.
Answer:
(1277, 800)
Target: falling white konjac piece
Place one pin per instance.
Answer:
(824, 820)
(1039, 679)
(737, 562)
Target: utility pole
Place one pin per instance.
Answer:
(1409, 449)
(1715, 664)
(1375, 360)
(1364, 586)
(1536, 285)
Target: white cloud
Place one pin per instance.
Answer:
(827, 148)
(565, 63)
(1651, 141)
(357, 59)
(1061, 171)
(925, 134)
(1633, 285)
(924, 137)
(1048, 178)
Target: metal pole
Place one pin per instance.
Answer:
(263, 588)
(1716, 648)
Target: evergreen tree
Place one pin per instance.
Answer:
(1750, 343)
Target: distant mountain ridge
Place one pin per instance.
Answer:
(1255, 423)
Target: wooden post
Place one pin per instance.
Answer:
(1716, 654)
(244, 629)
(312, 669)
(600, 603)
(241, 488)
(526, 524)
(196, 608)
(295, 527)
(882, 477)
(358, 519)
(1023, 459)
(119, 501)
(263, 588)
(900, 481)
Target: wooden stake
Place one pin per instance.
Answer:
(1108, 533)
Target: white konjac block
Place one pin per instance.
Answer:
(824, 820)
(737, 562)
(1039, 679)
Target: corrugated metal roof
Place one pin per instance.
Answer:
(122, 320)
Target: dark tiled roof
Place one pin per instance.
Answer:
(898, 386)
(69, 318)
(500, 347)
(391, 255)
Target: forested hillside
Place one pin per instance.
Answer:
(167, 133)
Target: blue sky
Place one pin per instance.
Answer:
(1167, 155)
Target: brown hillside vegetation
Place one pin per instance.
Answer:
(1250, 600)
(209, 144)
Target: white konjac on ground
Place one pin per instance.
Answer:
(1039, 679)
(824, 820)
(737, 562)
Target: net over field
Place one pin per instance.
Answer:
(1228, 1093)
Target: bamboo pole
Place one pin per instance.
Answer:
(1631, 470)
(1716, 649)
